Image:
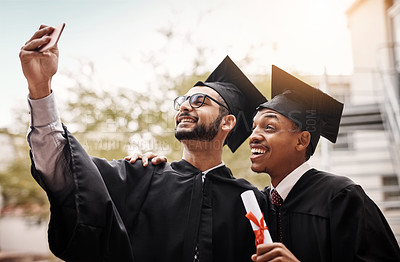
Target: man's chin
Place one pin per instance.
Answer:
(257, 168)
(185, 126)
(184, 134)
(195, 132)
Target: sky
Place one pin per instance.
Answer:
(305, 36)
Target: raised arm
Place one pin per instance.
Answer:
(45, 135)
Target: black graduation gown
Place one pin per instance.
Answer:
(329, 218)
(125, 212)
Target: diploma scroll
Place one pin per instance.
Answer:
(256, 217)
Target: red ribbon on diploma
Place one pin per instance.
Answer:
(261, 227)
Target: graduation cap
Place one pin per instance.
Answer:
(310, 108)
(240, 95)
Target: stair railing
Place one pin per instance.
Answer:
(390, 107)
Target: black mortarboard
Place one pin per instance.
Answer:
(240, 95)
(310, 108)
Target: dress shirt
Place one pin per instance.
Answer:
(284, 187)
(46, 140)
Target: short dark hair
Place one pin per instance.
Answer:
(222, 110)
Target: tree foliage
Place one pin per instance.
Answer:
(19, 192)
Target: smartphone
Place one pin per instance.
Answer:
(55, 35)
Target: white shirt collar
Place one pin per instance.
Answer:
(290, 180)
(208, 170)
(219, 165)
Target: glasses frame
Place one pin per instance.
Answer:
(177, 105)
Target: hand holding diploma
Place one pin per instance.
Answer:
(266, 249)
(273, 252)
(256, 217)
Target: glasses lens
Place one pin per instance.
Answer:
(197, 100)
(178, 102)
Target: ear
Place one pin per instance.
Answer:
(303, 140)
(228, 122)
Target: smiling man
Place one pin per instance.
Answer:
(316, 215)
(189, 210)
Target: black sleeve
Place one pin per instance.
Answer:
(90, 225)
(359, 231)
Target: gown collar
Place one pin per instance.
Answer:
(185, 167)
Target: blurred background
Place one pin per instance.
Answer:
(123, 62)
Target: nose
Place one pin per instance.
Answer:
(185, 106)
(255, 136)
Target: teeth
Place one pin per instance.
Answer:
(258, 151)
(187, 120)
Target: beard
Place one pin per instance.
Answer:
(201, 132)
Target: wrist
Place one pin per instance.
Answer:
(39, 90)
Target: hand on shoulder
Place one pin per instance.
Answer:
(153, 157)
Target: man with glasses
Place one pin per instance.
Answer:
(189, 210)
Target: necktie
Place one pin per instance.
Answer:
(277, 200)
(196, 255)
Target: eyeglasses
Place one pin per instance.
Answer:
(195, 101)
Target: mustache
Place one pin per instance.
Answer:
(188, 115)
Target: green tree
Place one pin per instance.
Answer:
(18, 189)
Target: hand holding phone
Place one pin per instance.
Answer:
(54, 36)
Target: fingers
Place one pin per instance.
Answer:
(43, 30)
(273, 252)
(153, 157)
(144, 157)
(264, 248)
(33, 45)
(148, 156)
(159, 160)
(26, 55)
(145, 160)
(43, 26)
(38, 39)
(132, 158)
